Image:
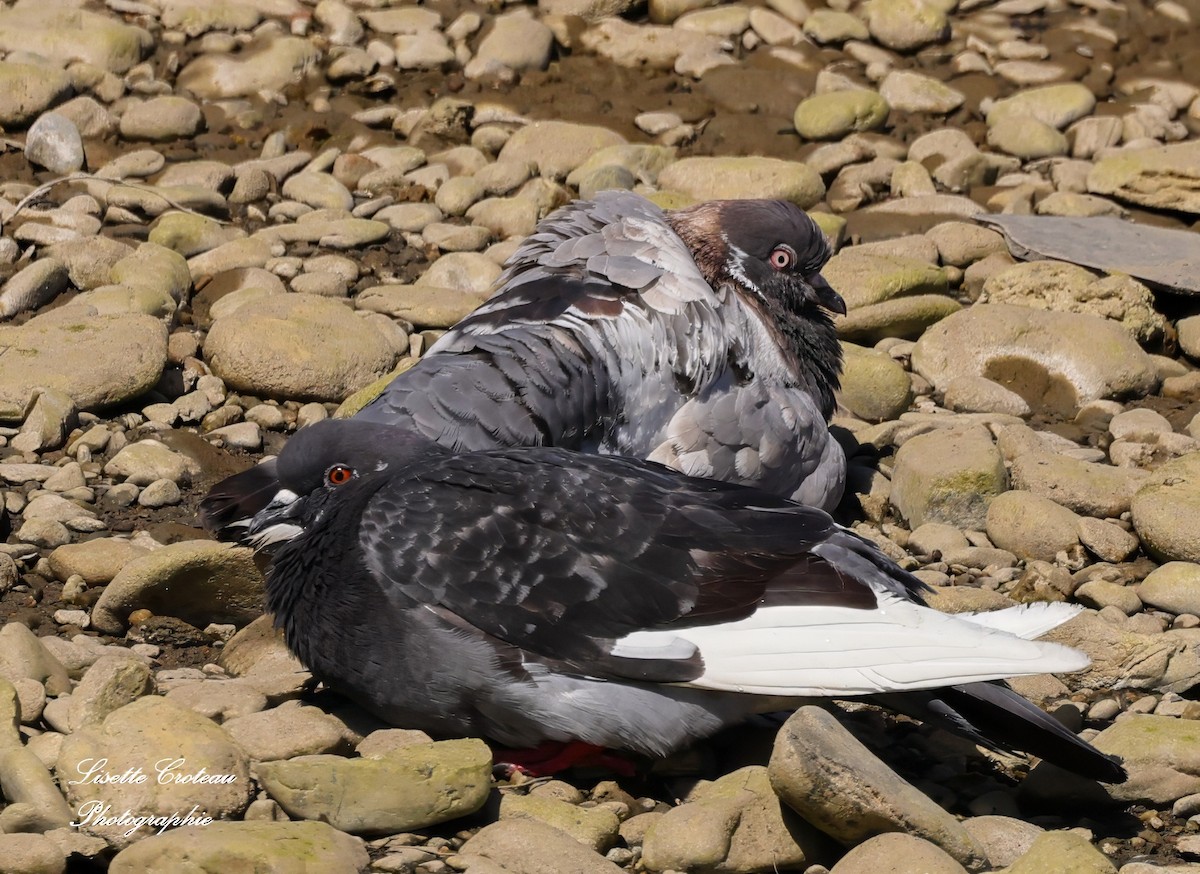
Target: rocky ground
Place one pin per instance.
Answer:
(221, 220)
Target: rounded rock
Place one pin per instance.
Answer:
(297, 346)
(905, 25)
(1026, 138)
(249, 846)
(161, 119)
(881, 853)
(1166, 510)
(838, 113)
(1030, 526)
(1174, 587)
(874, 386)
(54, 142)
(703, 178)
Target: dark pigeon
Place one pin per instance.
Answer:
(701, 338)
(538, 594)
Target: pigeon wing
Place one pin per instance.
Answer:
(516, 544)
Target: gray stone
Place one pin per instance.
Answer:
(834, 782)
(161, 493)
(464, 271)
(318, 190)
(90, 118)
(258, 654)
(1099, 594)
(831, 26)
(948, 475)
(405, 789)
(908, 91)
(197, 581)
(1026, 138)
(517, 42)
(219, 700)
(904, 317)
(24, 780)
(866, 277)
(1107, 541)
(976, 394)
(53, 142)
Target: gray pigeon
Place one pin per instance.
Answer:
(700, 338)
(539, 594)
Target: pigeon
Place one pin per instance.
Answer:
(538, 594)
(701, 338)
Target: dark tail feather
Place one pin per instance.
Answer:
(994, 716)
(228, 507)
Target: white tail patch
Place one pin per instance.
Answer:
(1026, 620)
(796, 650)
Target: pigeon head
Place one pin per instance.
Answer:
(772, 253)
(770, 249)
(324, 461)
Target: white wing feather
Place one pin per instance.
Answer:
(835, 651)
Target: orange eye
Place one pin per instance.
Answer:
(339, 475)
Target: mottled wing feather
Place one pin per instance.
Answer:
(535, 563)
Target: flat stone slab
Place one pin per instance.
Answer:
(1160, 256)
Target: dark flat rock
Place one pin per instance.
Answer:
(1168, 259)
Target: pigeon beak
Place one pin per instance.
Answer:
(825, 294)
(272, 524)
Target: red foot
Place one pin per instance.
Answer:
(553, 757)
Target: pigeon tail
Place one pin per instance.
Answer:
(994, 716)
(226, 511)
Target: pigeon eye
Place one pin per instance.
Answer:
(782, 257)
(339, 475)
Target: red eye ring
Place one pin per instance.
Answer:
(339, 475)
(782, 257)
